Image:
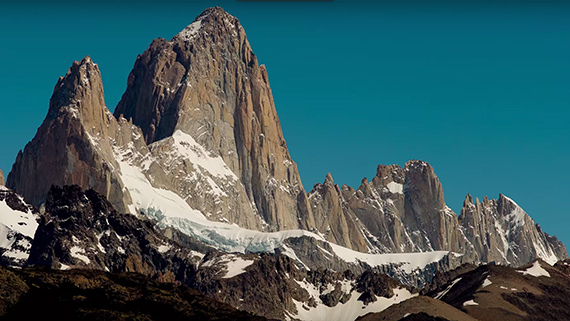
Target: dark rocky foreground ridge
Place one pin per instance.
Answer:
(195, 153)
(95, 295)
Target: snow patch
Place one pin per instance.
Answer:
(350, 310)
(535, 270)
(186, 146)
(444, 292)
(470, 302)
(487, 282)
(189, 32)
(409, 261)
(237, 266)
(395, 188)
(79, 254)
(164, 248)
(22, 222)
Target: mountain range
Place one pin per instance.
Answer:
(190, 181)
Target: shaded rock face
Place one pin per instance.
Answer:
(207, 83)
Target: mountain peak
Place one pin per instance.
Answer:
(79, 92)
(329, 179)
(214, 17)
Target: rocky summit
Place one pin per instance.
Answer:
(206, 83)
(190, 181)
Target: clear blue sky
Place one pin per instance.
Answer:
(481, 89)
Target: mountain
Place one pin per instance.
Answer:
(536, 291)
(501, 231)
(403, 210)
(74, 143)
(195, 147)
(206, 83)
(400, 210)
(1, 178)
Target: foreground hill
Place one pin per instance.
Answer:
(32, 294)
(536, 291)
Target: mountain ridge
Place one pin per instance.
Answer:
(203, 151)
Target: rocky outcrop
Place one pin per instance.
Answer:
(333, 216)
(501, 231)
(207, 83)
(82, 230)
(1, 178)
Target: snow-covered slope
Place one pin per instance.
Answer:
(171, 210)
(18, 223)
(349, 310)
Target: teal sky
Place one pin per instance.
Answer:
(480, 90)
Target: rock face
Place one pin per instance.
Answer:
(72, 145)
(501, 231)
(400, 210)
(1, 178)
(207, 83)
(403, 210)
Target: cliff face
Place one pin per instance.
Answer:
(72, 145)
(501, 231)
(207, 83)
(399, 210)
(403, 210)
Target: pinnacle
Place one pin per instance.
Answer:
(468, 200)
(329, 179)
(82, 79)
